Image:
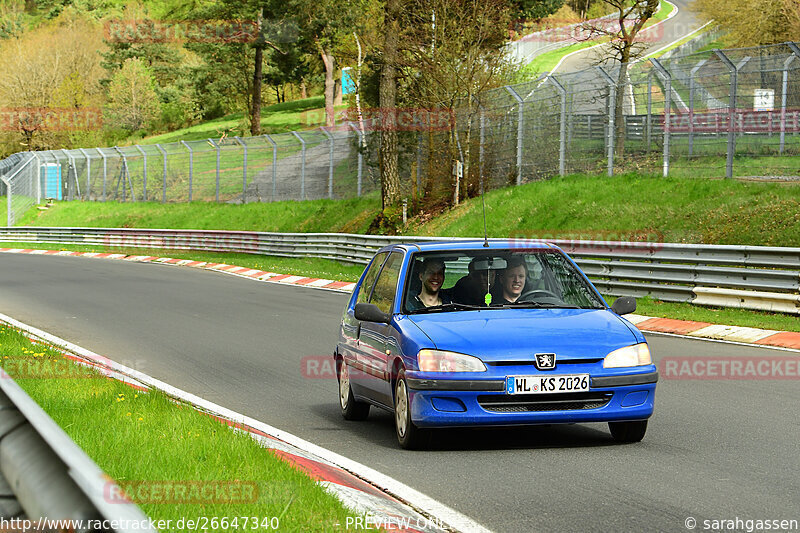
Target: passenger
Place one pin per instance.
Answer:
(472, 288)
(432, 276)
(512, 281)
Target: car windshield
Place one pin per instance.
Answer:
(478, 279)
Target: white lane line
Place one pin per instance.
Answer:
(419, 501)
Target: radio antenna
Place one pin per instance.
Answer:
(483, 201)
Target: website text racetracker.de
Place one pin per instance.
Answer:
(200, 523)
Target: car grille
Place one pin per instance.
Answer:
(574, 401)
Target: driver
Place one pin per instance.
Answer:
(512, 280)
(472, 288)
(432, 276)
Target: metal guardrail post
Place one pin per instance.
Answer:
(329, 135)
(734, 72)
(244, 169)
(562, 144)
(784, 88)
(88, 172)
(274, 164)
(691, 103)
(520, 126)
(105, 171)
(665, 74)
(612, 112)
(164, 174)
(302, 165)
(191, 167)
(144, 172)
(361, 156)
(215, 145)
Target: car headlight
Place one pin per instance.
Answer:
(636, 355)
(439, 361)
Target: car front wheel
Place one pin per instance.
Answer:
(409, 436)
(628, 431)
(351, 409)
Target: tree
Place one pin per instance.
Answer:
(55, 65)
(632, 15)
(534, 9)
(132, 99)
(455, 62)
(325, 24)
(751, 23)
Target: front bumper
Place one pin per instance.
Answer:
(452, 403)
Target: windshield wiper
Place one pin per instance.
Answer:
(447, 307)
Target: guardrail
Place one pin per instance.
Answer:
(754, 277)
(47, 476)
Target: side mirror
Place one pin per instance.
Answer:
(624, 305)
(370, 313)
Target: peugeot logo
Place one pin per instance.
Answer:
(545, 361)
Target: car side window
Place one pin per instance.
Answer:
(386, 286)
(365, 290)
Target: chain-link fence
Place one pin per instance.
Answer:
(709, 114)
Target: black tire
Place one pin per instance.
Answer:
(351, 409)
(628, 431)
(409, 436)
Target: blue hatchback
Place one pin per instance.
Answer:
(455, 334)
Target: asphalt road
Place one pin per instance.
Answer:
(714, 449)
(686, 21)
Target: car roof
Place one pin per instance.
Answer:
(475, 244)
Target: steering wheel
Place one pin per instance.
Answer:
(533, 293)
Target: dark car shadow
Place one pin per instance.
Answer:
(378, 429)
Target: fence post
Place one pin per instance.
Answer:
(648, 124)
(360, 155)
(88, 172)
(244, 169)
(105, 171)
(38, 180)
(274, 164)
(70, 187)
(667, 109)
(691, 103)
(191, 167)
(302, 165)
(144, 172)
(562, 146)
(612, 98)
(784, 88)
(216, 146)
(734, 71)
(164, 187)
(482, 146)
(124, 174)
(329, 135)
(520, 125)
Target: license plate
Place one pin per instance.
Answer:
(547, 384)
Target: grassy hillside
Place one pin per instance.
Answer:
(665, 209)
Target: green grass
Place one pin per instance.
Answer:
(674, 209)
(277, 118)
(318, 216)
(145, 440)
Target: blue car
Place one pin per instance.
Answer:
(468, 334)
